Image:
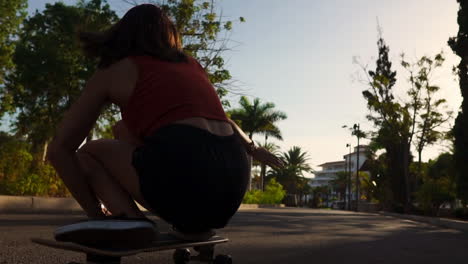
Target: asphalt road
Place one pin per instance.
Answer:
(261, 236)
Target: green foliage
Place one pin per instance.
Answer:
(50, 67)
(438, 184)
(461, 213)
(273, 194)
(459, 45)
(442, 167)
(433, 193)
(18, 176)
(258, 118)
(366, 186)
(15, 161)
(252, 197)
(461, 155)
(320, 195)
(205, 37)
(12, 13)
(392, 121)
(291, 176)
(340, 182)
(399, 124)
(427, 110)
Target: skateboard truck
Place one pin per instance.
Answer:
(205, 254)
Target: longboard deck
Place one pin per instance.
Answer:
(165, 242)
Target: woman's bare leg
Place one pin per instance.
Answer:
(115, 182)
(116, 200)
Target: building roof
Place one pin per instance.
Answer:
(365, 147)
(332, 163)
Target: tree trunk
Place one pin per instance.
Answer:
(407, 195)
(262, 177)
(418, 177)
(249, 158)
(44, 152)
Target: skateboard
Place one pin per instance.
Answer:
(165, 241)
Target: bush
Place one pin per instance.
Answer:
(21, 174)
(461, 213)
(433, 193)
(14, 164)
(273, 194)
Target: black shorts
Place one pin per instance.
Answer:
(191, 178)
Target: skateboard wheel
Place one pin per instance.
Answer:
(223, 259)
(181, 256)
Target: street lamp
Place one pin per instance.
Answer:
(357, 133)
(348, 177)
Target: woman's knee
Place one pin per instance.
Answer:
(94, 146)
(86, 162)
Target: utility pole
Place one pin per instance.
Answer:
(348, 178)
(357, 133)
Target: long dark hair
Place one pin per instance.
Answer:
(144, 30)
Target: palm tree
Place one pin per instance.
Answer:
(258, 118)
(292, 175)
(339, 183)
(274, 149)
(296, 158)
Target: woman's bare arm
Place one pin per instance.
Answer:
(258, 153)
(122, 133)
(246, 141)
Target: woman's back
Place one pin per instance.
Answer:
(153, 93)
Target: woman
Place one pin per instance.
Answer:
(175, 152)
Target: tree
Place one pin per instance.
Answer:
(14, 160)
(393, 123)
(339, 183)
(272, 148)
(50, 68)
(205, 36)
(292, 175)
(459, 45)
(442, 167)
(402, 123)
(428, 115)
(12, 13)
(258, 118)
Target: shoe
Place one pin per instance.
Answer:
(109, 232)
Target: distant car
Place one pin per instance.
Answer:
(340, 205)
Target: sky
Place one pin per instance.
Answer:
(298, 54)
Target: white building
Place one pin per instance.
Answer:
(330, 169)
(328, 173)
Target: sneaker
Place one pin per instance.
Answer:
(109, 232)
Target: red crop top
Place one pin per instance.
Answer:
(166, 92)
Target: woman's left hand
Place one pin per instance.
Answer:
(266, 157)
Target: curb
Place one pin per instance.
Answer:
(442, 222)
(31, 204)
(39, 205)
(256, 206)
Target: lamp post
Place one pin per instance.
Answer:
(357, 132)
(348, 177)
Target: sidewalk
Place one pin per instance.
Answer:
(442, 222)
(31, 204)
